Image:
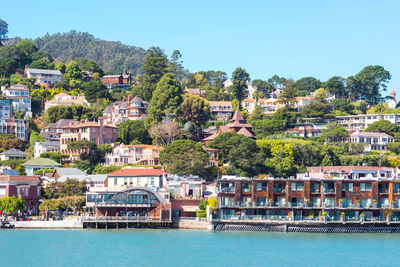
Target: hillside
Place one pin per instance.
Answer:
(111, 56)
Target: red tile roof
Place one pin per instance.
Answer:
(137, 172)
(19, 178)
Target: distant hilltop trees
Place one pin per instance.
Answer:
(111, 56)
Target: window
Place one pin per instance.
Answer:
(38, 191)
(261, 186)
(347, 202)
(297, 186)
(115, 181)
(347, 187)
(2, 190)
(314, 188)
(365, 186)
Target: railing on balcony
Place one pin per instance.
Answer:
(226, 189)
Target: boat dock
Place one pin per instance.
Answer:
(113, 222)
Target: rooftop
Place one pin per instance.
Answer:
(137, 172)
(14, 151)
(41, 162)
(44, 71)
(370, 134)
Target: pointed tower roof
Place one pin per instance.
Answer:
(238, 117)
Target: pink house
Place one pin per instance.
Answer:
(88, 130)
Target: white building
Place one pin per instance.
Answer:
(65, 99)
(362, 121)
(392, 100)
(13, 154)
(371, 141)
(46, 146)
(18, 94)
(47, 78)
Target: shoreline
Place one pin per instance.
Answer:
(223, 225)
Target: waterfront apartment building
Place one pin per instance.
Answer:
(47, 78)
(350, 193)
(372, 141)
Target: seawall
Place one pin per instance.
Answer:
(190, 224)
(308, 227)
(66, 224)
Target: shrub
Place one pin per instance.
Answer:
(201, 214)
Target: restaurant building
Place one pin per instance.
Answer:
(131, 192)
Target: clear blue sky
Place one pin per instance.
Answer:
(293, 39)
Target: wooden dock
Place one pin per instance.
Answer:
(125, 223)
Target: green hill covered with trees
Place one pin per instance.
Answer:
(111, 56)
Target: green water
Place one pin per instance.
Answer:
(194, 248)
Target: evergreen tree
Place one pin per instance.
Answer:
(154, 67)
(166, 99)
(239, 88)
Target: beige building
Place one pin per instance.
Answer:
(66, 100)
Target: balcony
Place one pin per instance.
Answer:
(227, 190)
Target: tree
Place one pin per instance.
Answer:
(342, 105)
(319, 108)
(194, 109)
(27, 46)
(56, 156)
(9, 53)
(8, 141)
(336, 86)
(262, 86)
(281, 163)
(288, 95)
(61, 67)
(35, 137)
(129, 131)
(240, 152)
(214, 78)
(166, 132)
(77, 112)
(19, 114)
(239, 80)
(154, 67)
(378, 109)
(307, 85)
(334, 133)
(256, 116)
(184, 157)
(72, 72)
(3, 30)
(166, 99)
(371, 81)
(95, 90)
(12, 204)
(276, 82)
(383, 126)
(88, 65)
(175, 65)
(70, 187)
